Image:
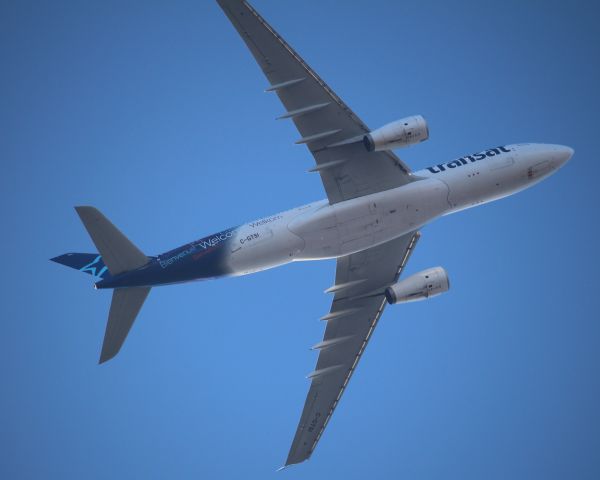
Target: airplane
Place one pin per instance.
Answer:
(370, 221)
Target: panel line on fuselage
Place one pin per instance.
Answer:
(320, 230)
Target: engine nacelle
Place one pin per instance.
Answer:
(401, 133)
(422, 285)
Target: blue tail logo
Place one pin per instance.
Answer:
(91, 268)
(91, 263)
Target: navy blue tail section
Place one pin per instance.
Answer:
(117, 257)
(84, 262)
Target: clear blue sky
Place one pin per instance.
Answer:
(154, 113)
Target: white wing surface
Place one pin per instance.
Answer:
(324, 121)
(333, 134)
(360, 282)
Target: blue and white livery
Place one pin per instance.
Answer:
(369, 221)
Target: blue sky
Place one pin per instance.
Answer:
(155, 113)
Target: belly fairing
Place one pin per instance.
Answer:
(354, 225)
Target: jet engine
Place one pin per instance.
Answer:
(422, 285)
(401, 133)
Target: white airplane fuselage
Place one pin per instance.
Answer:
(320, 230)
(374, 208)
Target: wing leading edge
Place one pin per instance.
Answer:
(329, 128)
(324, 121)
(358, 303)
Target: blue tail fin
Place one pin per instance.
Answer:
(84, 262)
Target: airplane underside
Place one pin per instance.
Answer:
(369, 221)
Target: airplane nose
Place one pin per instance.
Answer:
(562, 154)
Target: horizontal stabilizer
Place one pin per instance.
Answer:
(118, 253)
(126, 304)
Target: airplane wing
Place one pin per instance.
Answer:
(360, 282)
(330, 129)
